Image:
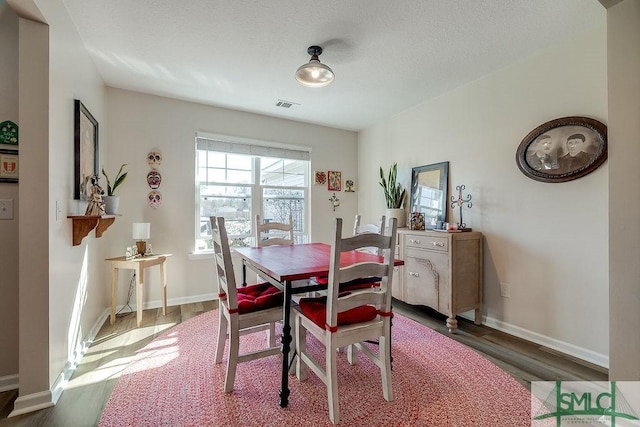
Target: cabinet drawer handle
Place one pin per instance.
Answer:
(412, 274)
(440, 244)
(416, 241)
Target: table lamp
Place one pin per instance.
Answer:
(141, 232)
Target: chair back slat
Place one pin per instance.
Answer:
(264, 232)
(224, 265)
(379, 297)
(369, 228)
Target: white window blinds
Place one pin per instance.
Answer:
(225, 146)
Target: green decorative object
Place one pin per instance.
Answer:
(120, 177)
(8, 133)
(393, 191)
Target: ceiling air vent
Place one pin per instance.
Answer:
(287, 104)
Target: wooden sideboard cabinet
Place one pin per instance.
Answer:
(442, 271)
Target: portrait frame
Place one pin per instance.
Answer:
(9, 166)
(544, 155)
(86, 150)
(334, 181)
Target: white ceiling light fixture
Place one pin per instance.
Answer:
(314, 73)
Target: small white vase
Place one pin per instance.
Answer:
(111, 204)
(399, 214)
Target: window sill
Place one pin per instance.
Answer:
(197, 256)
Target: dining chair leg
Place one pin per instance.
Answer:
(222, 336)
(332, 383)
(271, 338)
(352, 354)
(301, 347)
(232, 358)
(385, 369)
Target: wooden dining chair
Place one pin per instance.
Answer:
(357, 229)
(273, 233)
(368, 228)
(345, 318)
(243, 310)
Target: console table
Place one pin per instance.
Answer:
(138, 265)
(442, 270)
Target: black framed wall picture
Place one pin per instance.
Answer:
(86, 150)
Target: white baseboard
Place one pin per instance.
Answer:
(171, 301)
(46, 399)
(9, 382)
(32, 402)
(552, 343)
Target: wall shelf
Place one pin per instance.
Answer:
(83, 224)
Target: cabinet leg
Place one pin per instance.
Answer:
(477, 319)
(452, 324)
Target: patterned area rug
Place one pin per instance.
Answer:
(173, 381)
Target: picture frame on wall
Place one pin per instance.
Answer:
(9, 166)
(319, 177)
(86, 150)
(563, 149)
(334, 181)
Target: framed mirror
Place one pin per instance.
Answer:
(429, 185)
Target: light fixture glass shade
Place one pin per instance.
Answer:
(314, 73)
(141, 230)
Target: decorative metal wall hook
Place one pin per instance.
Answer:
(459, 202)
(334, 201)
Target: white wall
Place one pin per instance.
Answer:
(61, 290)
(548, 241)
(77, 295)
(139, 123)
(623, 34)
(9, 228)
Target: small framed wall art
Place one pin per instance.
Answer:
(349, 186)
(9, 166)
(334, 181)
(319, 177)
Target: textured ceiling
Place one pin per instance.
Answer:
(387, 55)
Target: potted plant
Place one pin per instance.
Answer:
(111, 201)
(393, 194)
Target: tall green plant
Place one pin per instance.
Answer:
(120, 177)
(393, 191)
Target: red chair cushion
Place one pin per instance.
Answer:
(316, 310)
(320, 280)
(258, 297)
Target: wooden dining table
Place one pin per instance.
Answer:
(284, 265)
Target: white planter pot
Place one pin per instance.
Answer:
(111, 204)
(399, 214)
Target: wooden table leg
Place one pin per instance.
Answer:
(163, 285)
(114, 288)
(286, 345)
(139, 285)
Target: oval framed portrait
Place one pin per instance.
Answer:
(563, 149)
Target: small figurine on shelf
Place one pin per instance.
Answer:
(96, 204)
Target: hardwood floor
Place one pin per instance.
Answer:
(90, 387)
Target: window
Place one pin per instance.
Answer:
(237, 180)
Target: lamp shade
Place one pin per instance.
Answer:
(314, 73)
(141, 230)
